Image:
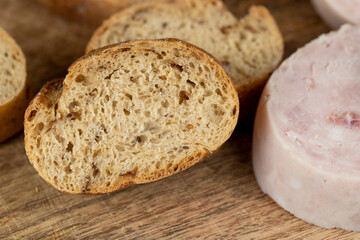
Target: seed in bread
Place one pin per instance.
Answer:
(14, 87)
(128, 114)
(249, 48)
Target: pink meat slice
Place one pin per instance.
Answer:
(337, 12)
(306, 142)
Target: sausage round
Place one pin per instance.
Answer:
(336, 12)
(306, 142)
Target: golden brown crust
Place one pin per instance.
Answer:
(52, 91)
(92, 12)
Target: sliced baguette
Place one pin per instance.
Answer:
(249, 49)
(130, 113)
(14, 87)
(87, 11)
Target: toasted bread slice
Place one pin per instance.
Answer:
(249, 49)
(14, 87)
(130, 113)
(87, 11)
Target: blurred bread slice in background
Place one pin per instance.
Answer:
(249, 48)
(14, 87)
(92, 12)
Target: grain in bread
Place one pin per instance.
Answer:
(249, 48)
(128, 114)
(14, 87)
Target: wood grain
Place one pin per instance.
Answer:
(216, 199)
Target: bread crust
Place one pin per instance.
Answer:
(12, 112)
(52, 91)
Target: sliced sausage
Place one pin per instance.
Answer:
(306, 142)
(336, 12)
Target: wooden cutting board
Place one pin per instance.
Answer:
(216, 199)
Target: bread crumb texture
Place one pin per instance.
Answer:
(130, 113)
(249, 48)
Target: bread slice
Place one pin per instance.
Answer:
(128, 114)
(14, 87)
(249, 49)
(87, 11)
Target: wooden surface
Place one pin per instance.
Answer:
(216, 199)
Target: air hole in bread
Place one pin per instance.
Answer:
(127, 113)
(103, 128)
(56, 106)
(176, 52)
(177, 67)
(165, 104)
(129, 96)
(114, 104)
(96, 170)
(80, 79)
(133, 79)
(74, 106)
(32, 115)
(73, 116)
(176, 168)
(70, 147)
(40, 126)
(38, 141)
(68, 169)
(93, 92)
(191, 83)
(59, 138)
(184, 96)
(208, 93)
(141, 139)
(189, 127)
(108, 172)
